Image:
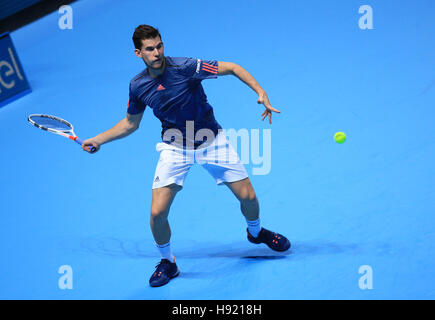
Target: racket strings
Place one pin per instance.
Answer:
(51, 123)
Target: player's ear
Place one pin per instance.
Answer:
(138, 53)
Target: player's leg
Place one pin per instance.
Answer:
(171, 171)
(249, 206)
(223, 163)
(162, 199)
(245, 193)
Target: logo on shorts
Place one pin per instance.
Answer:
(160, 88)
(157, 179)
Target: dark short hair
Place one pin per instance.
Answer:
(143, 32)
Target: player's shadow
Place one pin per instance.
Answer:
(298, 250)
(325, 247)
(236, 250)
(138, 249)
(124, 248)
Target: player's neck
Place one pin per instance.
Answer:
(155, 73)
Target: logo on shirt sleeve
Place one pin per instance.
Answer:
(209, 68)
(198, 65)
(205, 67)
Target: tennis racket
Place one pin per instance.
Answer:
(56, 125)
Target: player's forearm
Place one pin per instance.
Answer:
(247, 78)
(122, 129)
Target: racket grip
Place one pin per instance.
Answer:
(80, 142)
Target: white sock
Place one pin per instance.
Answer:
(254, 227)
(165, 251)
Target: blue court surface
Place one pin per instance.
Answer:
(360, 215)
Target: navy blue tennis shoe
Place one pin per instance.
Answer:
(273, 240)
(165, 271)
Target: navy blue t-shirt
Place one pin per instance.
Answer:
(176, 96)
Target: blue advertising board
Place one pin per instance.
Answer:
(13, 82)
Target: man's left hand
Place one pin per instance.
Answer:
(264, 99)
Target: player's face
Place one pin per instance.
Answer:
(152, 52)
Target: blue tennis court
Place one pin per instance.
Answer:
(353, 210)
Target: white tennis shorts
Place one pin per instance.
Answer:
(219, 159)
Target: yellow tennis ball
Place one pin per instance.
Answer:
(340, 137)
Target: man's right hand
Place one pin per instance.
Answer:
(90, 143)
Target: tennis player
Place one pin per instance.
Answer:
(190, 134)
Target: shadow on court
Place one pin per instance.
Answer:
(137, 249)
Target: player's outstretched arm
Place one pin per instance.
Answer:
(122, 129)
(229, 68)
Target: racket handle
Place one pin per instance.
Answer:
(80, 142)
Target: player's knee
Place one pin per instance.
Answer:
(158, 214)
(248, 197)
